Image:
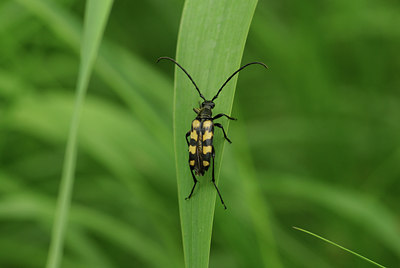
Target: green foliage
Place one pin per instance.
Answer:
(316, 143)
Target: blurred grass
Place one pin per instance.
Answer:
(96, 16)
(259, 212)
(321, 130)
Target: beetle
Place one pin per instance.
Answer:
(201, 148)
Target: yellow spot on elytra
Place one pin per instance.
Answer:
(207, 135)
(207, 124)
(191, 162)
(192, 149)
(193, 135)
(206, 163)
(196, 124)
(207, 149)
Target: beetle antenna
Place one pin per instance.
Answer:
(168, 58)
(230, 77)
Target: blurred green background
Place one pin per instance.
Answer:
(317, 137)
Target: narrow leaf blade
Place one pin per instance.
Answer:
(95, 20)
(210, 47)
(339, 246)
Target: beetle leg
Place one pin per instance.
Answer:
(213, 178)
(187, 135)
(220, 115)
(195, 182)
(223, 130)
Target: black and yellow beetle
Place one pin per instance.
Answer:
(201, 148)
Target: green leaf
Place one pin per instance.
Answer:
(211, 41)
(95, 20)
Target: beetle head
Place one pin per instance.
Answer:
(208, 104)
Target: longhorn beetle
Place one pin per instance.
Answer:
(201, 148)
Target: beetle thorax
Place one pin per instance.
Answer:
(205, 109)
(204, 112)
